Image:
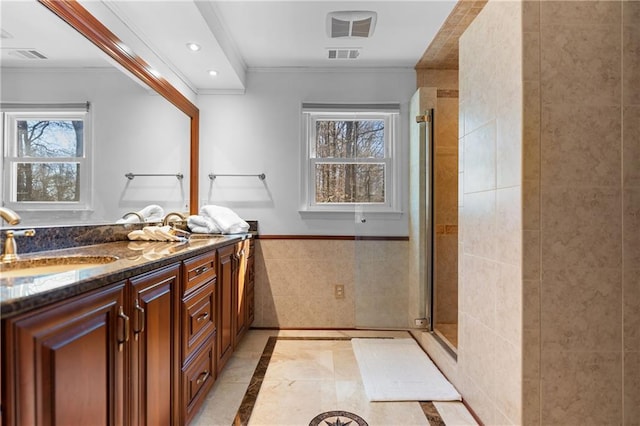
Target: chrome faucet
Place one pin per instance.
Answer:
(10, 249)
(166, 220)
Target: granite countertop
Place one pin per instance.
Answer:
(21, 294)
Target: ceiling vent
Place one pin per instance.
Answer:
(343, 53)
(27, 54)
(350, 24)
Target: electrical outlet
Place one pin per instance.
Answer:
(338, 291)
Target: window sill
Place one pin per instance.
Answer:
(351, 215)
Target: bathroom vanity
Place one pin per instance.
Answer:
(139, 340)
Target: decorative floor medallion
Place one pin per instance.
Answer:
(337, 418)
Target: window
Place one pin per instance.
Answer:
(46, 163)
(350, 159)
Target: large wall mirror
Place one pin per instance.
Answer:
(57, 61)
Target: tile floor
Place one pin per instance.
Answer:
(307, 377)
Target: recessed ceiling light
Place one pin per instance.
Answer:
(193, 47)
(213, 73)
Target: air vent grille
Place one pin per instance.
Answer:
(343, 53)
(351, 24)
(27, 54)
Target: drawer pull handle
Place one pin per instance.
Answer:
(202, 317)
(125, 332)
(201, 270)
(140, 321)
(202, 377)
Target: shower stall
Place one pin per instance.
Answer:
(433, 218)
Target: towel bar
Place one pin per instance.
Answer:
(130, 175)
(260, 176)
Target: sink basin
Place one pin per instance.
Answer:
(51, 265)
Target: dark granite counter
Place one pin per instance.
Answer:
(21, 294)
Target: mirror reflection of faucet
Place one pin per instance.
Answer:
(151, 213)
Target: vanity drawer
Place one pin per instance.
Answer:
(198, 271)
(198, 318)
(197, 379)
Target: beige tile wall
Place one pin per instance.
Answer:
(576, 367)
(295, 281)
(554, 341)
(631, 210)
(490, 348)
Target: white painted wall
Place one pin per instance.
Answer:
(260, 131)
(133, 131)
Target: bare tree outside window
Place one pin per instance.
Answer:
(39, 180)
(356, 177)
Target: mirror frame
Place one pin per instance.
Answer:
(86, 24)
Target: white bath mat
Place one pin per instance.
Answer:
(398, 370)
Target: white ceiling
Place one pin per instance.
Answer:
(30, 26)
(238, 35)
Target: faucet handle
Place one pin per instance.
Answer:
(10, 249)
(23, 233)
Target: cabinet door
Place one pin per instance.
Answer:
(153, 347)
(239, 296)
(67, 363)
(226, 269)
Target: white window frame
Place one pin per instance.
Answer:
(11, 159)
(391, 116)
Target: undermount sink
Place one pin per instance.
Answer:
(51, 265)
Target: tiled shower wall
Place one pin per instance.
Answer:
(296, 278)
(582, 212)
(574, 308)
(490, 263)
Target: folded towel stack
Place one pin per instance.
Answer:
(217, 219)
(154, 233)
(202, 225)
(151, 213)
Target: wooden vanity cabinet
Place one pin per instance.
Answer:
(243, 297)
(154, 348)
(145, 351)
(199, 319)
(107, 357)
(66, 362)
(227, 267)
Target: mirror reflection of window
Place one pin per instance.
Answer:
(47, 166)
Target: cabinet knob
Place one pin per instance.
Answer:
(202, 317)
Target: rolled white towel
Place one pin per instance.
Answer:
(202, 225)
(152, 211)
(226, 219)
